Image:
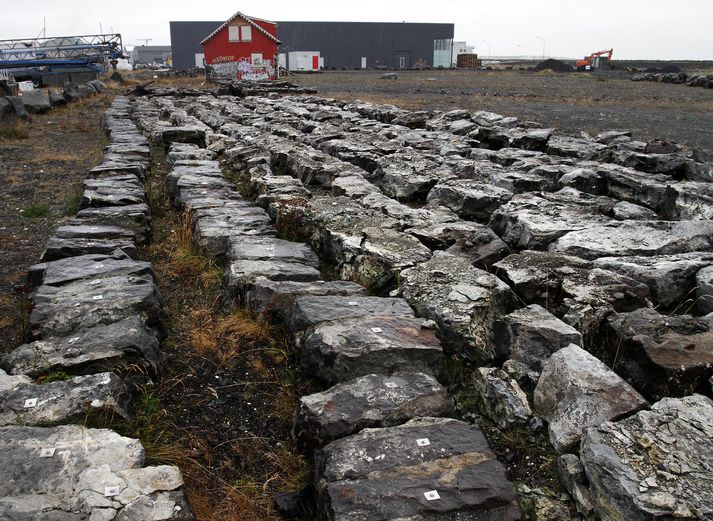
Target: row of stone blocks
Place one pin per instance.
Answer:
(576, 391)
(96, 324)
(381, 439)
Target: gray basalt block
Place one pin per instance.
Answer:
(655, 464)
(368, 401)
(428, 468)
(272, 249)
(339, 351)
(576, 391)
(531, 334)
(462, 300)
(70, 269)
(87, 303)
(661, 355)
(102, 348)
(310, 311)
(241, 274)
(25, 403)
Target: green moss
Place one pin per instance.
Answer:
(35, 211)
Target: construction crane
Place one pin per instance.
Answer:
(595, 61)
(146, 40)
(36, 58)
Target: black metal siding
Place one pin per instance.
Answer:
(186, 38)
(341, 44)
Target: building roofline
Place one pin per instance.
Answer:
(247, 19)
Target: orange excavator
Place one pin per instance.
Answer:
(595, 61)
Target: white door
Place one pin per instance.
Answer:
(200, 60)
(363, 62)
(402, 62)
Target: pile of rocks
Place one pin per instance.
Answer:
(38, 101)
(96, 324)
(557, 264)
(692, 80)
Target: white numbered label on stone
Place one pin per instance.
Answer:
(432, 495)
(30, 402)
(423, 442)
(47, 452)
(97, 297)
(377, 330)
(353, 303)
(391, 385)
(112, 491)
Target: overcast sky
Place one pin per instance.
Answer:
(647, 29)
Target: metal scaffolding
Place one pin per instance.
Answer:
(37, 52)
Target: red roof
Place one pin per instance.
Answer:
(248, 20)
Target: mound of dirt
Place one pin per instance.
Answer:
(665, 70)
(552, 65)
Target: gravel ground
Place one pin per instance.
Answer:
(570, 101)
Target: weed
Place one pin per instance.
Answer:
(54, 376)
(16, 131)
(71, 205)
(35, 211)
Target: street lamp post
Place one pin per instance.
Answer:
(543, 45)
(489, 48)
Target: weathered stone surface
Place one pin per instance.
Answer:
(655, 464)
(543, 504)
(571, 289)
(36, 101)
(241, 274)
(269, 248)
(689, 200)
(70, 269)
(60, 248)
(386, 474)
(500, 398)
(214, 232)
(136, 217)
(274, 299)
(575, 482)
(661, 355)
(670, 278)
(368, 401)
(463, 301)
(112, 192)
(310, 311)
(61, 310)
(195, 135)
(576, 391)
(626, 211)
(60, 401)
(339, 351)
(531, 334)
(474, 241)
(469, 199)
(639, 238)
(532, 221)
(101, 348)
(704, 290)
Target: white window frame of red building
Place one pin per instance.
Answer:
(233, 33)
(246, 33)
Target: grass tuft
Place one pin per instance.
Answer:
(36, 211)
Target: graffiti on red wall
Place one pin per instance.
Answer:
(243, 69)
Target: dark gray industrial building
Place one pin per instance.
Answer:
(341, 44)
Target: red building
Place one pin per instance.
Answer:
(243, 48)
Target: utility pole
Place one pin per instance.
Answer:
(543, 45)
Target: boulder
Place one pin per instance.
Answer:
(428, 468)
(339, 351)
(661, 355)
(576, 391)
(469, 199)
(637, 238)
(531, 334)
(60, 248)
(655, 464)
(82, 304)
(688, 200)
(463, 301)
(56, 99)
(704, 290)
(368, 401)
(310, 311)
(214, 231)
(36, 101)
(108, 347)
(274, 299)
(670, 278)
(135, 217)
(501, 399)
(188, 134)
(13, 107)
(251, 248)
(575, 482)
(241, 274)
(25, 403)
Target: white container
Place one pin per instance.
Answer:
(25, 86)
